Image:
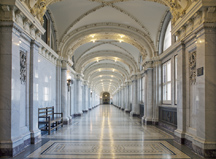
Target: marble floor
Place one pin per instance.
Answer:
(107, 133)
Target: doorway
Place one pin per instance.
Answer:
(106, 98)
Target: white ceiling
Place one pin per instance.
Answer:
(143, 16)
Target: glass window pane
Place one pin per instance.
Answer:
(169, 91)
(164, 73)
(164, 92)
(169, 71)
(176, 57)
(167, 38)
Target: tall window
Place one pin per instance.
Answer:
(176, 71)
(167, 82)
(167, 38)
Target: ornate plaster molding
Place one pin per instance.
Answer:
(17, 12)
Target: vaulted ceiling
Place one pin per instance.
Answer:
(107, 37)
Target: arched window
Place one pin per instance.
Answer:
(165, 34)
(167, 37)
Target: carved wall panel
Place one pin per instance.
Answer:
(192, 90)
(168, 115)
(192, 64)
(23, 66)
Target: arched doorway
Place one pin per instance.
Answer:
(106, 98)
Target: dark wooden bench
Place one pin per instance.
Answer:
(46, 116)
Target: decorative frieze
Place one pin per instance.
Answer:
(23, 66)
(19, 14)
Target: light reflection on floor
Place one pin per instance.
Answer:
(107, 132)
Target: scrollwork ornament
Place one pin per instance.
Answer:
(23, 65)
(192, 60)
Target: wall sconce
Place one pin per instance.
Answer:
(69, 82)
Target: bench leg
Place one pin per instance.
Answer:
(56, 125)
(49, 128)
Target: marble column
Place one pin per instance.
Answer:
(33, 107)
(85, 98)
(58, 86)
(122, 98)
(64, 94)
(89, 98)
(156, 91)
(78, 96)
(72, 99)
(126, 97)
(93, 99)
(127, 107)
(181, 105)
(135, 106)
(205, 139)
(149, 102)
(13, 137)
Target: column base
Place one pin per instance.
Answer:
(127, 111)
(148, 121)
(167, 126)
(78, 114)
(35, 137)
(199, 146)
(85, 111)
(133, 114)
(66, 121)
(12, 148)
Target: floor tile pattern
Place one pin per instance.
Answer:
(134, 149)
(107, 132)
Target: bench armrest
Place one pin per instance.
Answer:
(44, 117)
(59, 113)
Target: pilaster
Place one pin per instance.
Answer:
(135, 106)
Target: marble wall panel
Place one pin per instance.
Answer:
(46, 83)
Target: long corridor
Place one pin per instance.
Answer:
(107, 133)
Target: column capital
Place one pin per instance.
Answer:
(78, 77)
(148, 65)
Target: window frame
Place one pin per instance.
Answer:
(176, 78)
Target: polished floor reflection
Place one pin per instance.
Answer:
(108, 133)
